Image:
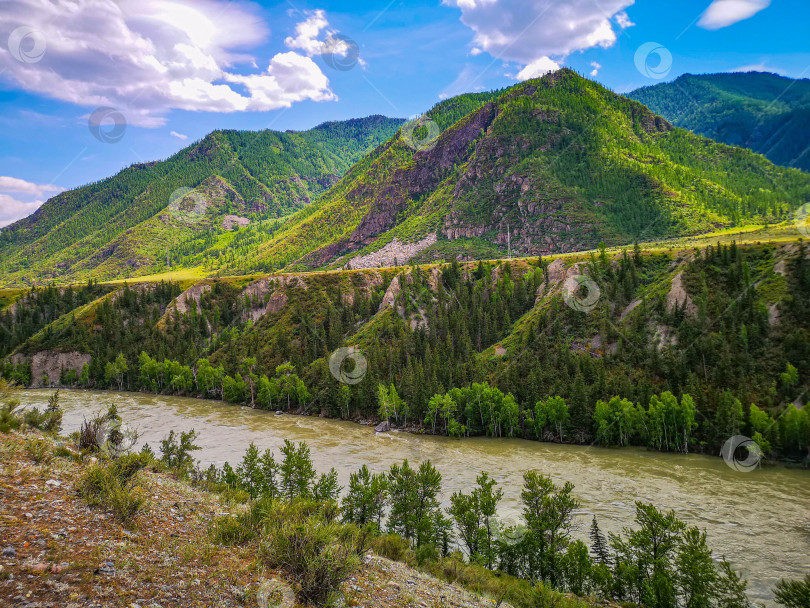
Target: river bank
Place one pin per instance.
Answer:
(758, 520)
(58, 551)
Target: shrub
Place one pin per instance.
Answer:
(113, 485)
(9, 421)
(40, 450)
(92, 433)
(52, 419)
(233, 530)
(316, 554)
(394, 547)
(63, 451)
(49, 421)
(176, 451)
(126, 502)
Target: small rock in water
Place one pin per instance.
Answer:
(9, 552)
(279, 413)
(383, 427)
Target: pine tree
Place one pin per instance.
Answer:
(599, 546)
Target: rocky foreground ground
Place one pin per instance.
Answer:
(57, 551)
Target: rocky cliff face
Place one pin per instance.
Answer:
(47, 366)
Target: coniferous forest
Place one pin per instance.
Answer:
(482, 348)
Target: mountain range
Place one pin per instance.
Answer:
(125, 224)
(767, 113)
(550, 165)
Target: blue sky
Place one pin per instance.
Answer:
(175, 70)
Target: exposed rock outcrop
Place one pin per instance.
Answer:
(390, 294)
(677, 297)
(229, 221)
(50, 364)
(190, 297)
(394, 253)
(268, 295)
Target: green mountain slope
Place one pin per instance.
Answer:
(767, 113)
(550, 165)
(124, 225)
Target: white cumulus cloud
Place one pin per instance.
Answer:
(147, 57)
(538, 67)
(539, 33)
(19, 198)
(596, 67)
(622, 20)
(307, 34)
(722, 13)
(180, 136)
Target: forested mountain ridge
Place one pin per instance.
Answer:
(124, 225)
(550, 165)
(676, 350)
(767, 113)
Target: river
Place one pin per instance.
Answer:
(760, 521)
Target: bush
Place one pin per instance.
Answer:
(49, 421)
(176, 451)
(9, 421)
(52, 422)
(40, 450)
(92, 434)
(233, 530)
(126, 502)
(317, 554)
(426, 554)
(394, 547)
(63, 451)
(113, 486)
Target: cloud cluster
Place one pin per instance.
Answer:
(540, 34)
(310, 40)
(19, 198)
(146, 57)
(722, 13)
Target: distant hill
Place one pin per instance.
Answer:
(551, 165)
(764, 112)
(124, 225)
